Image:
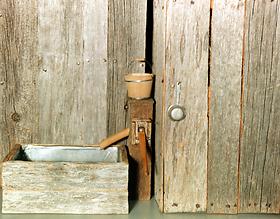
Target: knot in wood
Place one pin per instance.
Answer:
(15, 117)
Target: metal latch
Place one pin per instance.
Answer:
(137, 125)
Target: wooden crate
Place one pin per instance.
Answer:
(65, 179)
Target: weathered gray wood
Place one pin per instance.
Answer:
(224, 115)
(114, 202)
(126, 42)
(65, 187)
(73, 79)
(158, 71)
(53, 78)
(185, 142)
(18, 72)
(260, 143)
(64, 176)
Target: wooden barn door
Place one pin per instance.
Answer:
(219, 60)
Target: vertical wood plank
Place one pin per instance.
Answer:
(158, 70)
(224, 116)
(73, 79)
(260, 143)
(126, 42)
(18, 73)
(185, 142)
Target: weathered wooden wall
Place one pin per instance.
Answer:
(61, 68)
(126, 44)
(224, 105)
(243, 149)
(260, 142)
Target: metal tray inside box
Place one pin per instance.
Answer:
(64, 153)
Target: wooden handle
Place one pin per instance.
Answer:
(143, 150)
(114, 138)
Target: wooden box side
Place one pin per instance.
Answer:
(65, 187)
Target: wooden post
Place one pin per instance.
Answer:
(141, 112)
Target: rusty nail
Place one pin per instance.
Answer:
(115, 60)
(235, 205)
(126, 107)
(249, 204)
(2, 82)
(1, 15)
(211, 204)
(197, 205)
(255, 204)
(192, 2)
(104, 60)
(227, 205)
(174, 204)
(45, 70)
(88, 60)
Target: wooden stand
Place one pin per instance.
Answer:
(140, 114)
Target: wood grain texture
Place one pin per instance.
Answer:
(185, 142)
(126, 42)
(73, 79)
(53, 72)
(140, 181)
(260, 142)
(58, 202)
(224, 116)
(158, 70)
(19, 66)
(65, 187)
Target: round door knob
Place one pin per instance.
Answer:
(176, 113)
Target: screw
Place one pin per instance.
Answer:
(1, 15)
(104, 60)
(125, 107)
(2, 82)
(115, 60)
(88, 60)
(78, 63)
(45, 70)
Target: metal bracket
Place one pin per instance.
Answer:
(138, 124)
